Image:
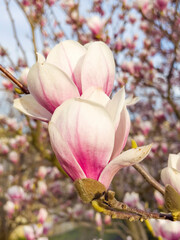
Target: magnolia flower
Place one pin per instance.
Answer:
(161, 4)
(159, 198)
(68, 71)
(96, 24)
(16, 194)
(42, 215)
(9, 207)
(171, 174)
(13, 157)
(168, 230)
(88, 134)
(132, 200)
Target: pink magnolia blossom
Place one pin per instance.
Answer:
(1, 169)
(42, 172)
(171, 174)
(161, 4)
(68, 71)
(96, 24)
(88, 134)
(23, 76)
(132, 200)
(42, 215)
(42, 187)
(8, 85)
(9, 207)
(165, 229)
(16, 194)
(159, 198)
(13, 157)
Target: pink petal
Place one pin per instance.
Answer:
(125, 159)
(50, 86)
(96, 95)
(98, 68)
(122, 133)
(115, 106)
(89, 133)
(64, 154)
(65, 56)
(29, 106)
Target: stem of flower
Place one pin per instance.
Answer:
(149, 178)
(14, 80)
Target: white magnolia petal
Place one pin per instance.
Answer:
(29, 106)
(115, 106)
(50, 86)
(125, 159)
(40, 57)
(96, 95)
(65, 56)
(131, 101)
(174, 161)
(122, 133)
(98, 68)
(172, 177)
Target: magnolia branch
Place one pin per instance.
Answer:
(14, 80)
(149, 178)
(108, 205)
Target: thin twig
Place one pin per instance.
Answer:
(149, 178)
(14, 30)
(14, 80)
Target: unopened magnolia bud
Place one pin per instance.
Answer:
(89, 189)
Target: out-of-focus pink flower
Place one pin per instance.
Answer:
(98, 220)
(128, 67)
(12, 123)
(159, 198)
(42, 215)
(161, 4)
(164, 147)
(68, 71)
(9, 207)
(42, 188)
(29, 184)
(42, 171)
(4, 149)
(13, 157)
(8, 85)
(145, 6)
(130, 43)
(146, 127)
(168, 230)
(132, 200)
(154, 147)
(26, 3)
(29, 233)
(16, 194)
(107, 220)
(118, 45)
(90, 145)
(67, 3)
(171, 174)
(51, 2)
(23, 76)
(96, 24)
(1, 169)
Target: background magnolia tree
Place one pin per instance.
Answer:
(37, 199)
